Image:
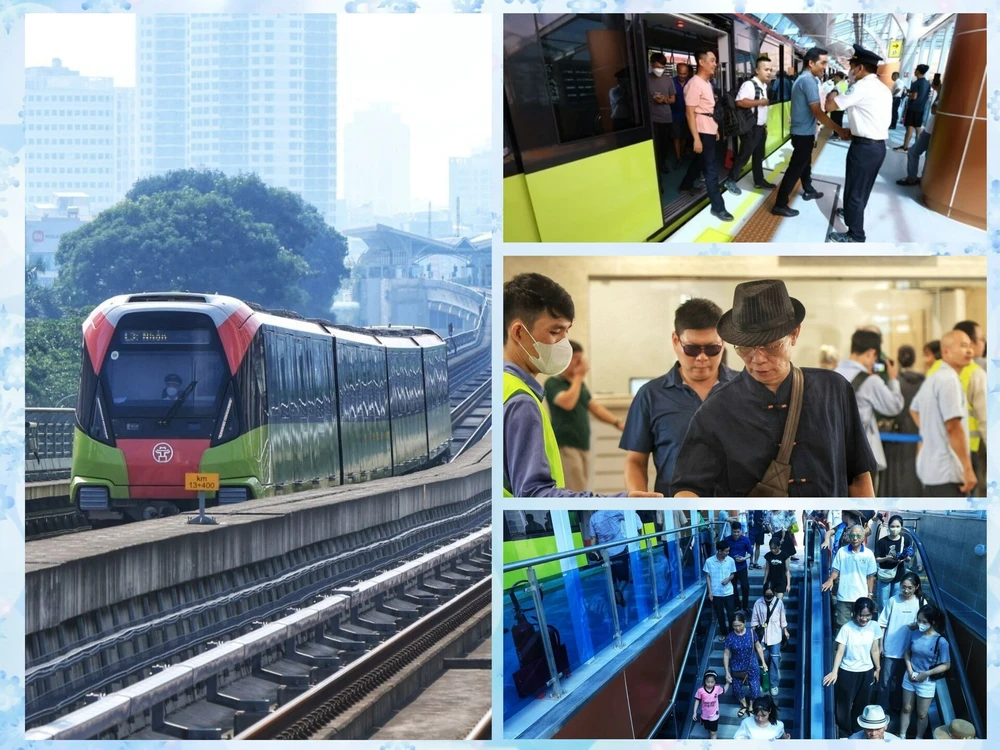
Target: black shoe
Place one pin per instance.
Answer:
(722, 215)
(784, 211)
(812, 195)
(732, 187)
(841, 237)
(764, 185)
(840, 213)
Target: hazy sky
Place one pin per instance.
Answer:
(435, 69)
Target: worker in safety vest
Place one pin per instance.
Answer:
(973, 378)
(537, 316)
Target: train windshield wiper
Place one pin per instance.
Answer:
(165, 420)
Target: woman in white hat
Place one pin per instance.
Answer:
(873, 722)
(927, 658)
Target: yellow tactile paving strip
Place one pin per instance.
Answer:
(762, 226)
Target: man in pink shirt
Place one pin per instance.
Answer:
(699, 101)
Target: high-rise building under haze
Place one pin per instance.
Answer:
(377, 161)
(241, 93)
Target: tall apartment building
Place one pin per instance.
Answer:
(69, 136)
(126, 142)
(239, 92)
(377, 161)
(469, 184)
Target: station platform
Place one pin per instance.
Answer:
(73, 574)
(895, 214)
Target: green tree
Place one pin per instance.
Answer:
(39, 300)
(179, 240)
(52, 360)
(297, 224)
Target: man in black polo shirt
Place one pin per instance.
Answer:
(735, 435)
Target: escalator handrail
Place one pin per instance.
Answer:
(680, 672)
(816, 609)
(829, 718)
(956, 662)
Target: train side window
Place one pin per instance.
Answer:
(587, 72)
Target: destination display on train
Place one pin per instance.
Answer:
(167, 337)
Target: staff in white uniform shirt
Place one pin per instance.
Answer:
(869, 102)
(753, 95)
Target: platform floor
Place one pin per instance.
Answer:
(895, 214)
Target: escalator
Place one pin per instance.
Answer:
(705, 652)
(953, 696)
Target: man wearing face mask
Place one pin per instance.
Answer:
(869, 105)
(537, 316)
(661, 98)
(735, 436)
(663, 408)
(172, 387)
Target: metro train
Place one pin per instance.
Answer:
(176, 383)
(578, 149)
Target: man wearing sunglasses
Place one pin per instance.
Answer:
(662, 409)
(735, 435)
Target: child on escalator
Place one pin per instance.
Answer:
(707, 699)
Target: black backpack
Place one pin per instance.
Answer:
(733, 120)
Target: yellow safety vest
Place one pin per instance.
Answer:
(513, 384)
(966, 377)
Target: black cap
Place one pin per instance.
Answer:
(172, 378)
(864, 56)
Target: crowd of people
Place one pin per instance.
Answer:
(845, 429)
(683, 111)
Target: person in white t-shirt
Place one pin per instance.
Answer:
(898, 91)
(753, 95)
(856, 664)
(941, 412)
(854, 567)
(762, 723)
(898, 619)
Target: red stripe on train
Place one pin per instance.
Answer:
(155, 465)
(236, 333)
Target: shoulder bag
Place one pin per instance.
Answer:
(778, 474)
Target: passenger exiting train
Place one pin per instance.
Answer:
(699, 100)
(753, 95)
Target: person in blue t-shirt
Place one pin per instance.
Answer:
(740, 549)
(806, 111)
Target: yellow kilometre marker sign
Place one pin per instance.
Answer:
(201, 482)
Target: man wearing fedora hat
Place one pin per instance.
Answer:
(734, 438)
(873, 722)
(869, 107)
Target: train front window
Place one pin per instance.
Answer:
(145, 380)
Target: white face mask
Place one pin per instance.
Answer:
(171, 391)
(893, 532)
(658, 72)
(924, 626)
(552, 359)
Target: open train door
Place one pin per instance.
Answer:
(579, 163)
